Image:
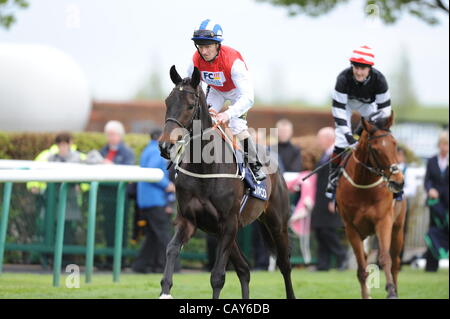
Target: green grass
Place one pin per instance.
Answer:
(331, 285)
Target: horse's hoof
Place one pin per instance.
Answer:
(163, 296)
(392, 297)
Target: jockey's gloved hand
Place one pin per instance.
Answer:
(353, 146)
(352, 142)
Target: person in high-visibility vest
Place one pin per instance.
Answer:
(40, 187)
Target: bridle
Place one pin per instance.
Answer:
(383, 171)
(195, 115)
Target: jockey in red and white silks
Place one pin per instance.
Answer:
(228, 79)
(224, 70)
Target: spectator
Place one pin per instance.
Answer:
(325, 221)
(40, 187)
(290, 155)
(152, 201)
(408, 190)
(73, 210)
(436, 186)
(62, 150)
(65, 151)
(115, 152)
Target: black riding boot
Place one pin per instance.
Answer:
(251, 158)
(332, 180)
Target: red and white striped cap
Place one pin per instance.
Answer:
(363, 55)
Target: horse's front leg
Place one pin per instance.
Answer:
(384, 234)
(226, 238)
(361, 258)
(183, 233)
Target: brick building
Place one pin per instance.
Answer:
(140, 116)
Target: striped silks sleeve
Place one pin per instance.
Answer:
(383, 96)
(342, 119)
(383, 101)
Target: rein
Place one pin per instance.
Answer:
(181, 145)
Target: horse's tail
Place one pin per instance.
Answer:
(268, 239)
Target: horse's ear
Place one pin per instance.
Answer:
(365, 124)
(390, 120)
(174, 76)
(195, 78)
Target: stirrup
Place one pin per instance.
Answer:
(330, 191)
(260, 177)
(258, 173)
(330, 194)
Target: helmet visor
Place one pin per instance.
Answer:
(360, 65)
(205, 34)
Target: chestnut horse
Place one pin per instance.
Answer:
(209, 196)
(364, 199)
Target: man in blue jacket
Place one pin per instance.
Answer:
(152, 201)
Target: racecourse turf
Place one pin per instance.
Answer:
(330, 285)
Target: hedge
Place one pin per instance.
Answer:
(26, 146)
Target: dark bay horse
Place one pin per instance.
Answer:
(364, 199)
(212, 204)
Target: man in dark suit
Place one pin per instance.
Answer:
(436, 185)
(290, 155)
(325, 221)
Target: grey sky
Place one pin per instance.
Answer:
(117, 45)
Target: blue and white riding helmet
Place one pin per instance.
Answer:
(209, 32)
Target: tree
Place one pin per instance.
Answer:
(8, 9)
(152, 88)
(404, 97)
(388, 11)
